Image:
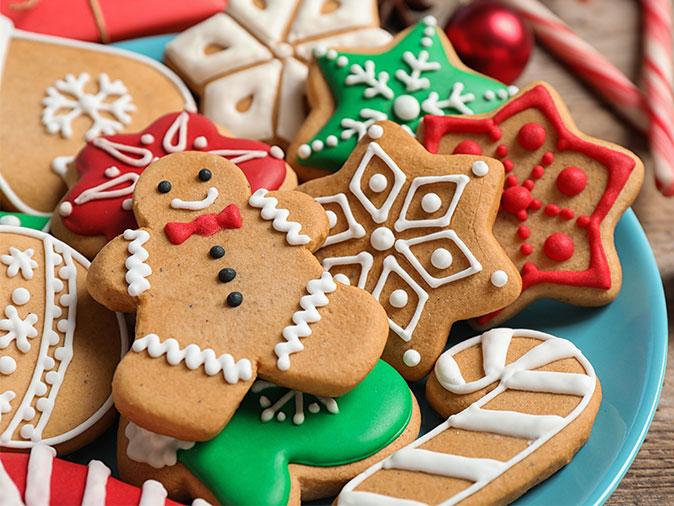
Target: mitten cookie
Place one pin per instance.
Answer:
(226, 289)
(414, 229)
(58, 347)
(250, 64)
(418, 73)
(522, 403)
(59, 93)
(98, 206)
(564, 193)
(280, 445)
(24, 220)
(42, 479)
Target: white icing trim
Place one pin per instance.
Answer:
(196, 205)
(354, 230)
(102, 191)
(364, 259)
(95, 487)
(118, 150)
(279, 217)
(38, 476)
(137, 268)
(152, 493)
(156, 450)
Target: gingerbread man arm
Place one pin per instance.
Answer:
(118, 274)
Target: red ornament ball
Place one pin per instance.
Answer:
(558, 247)
(491, 38)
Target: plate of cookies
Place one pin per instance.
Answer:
(457, 303)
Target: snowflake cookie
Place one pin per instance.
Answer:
(564, 193)
(59, 93)
(415, 230)
(418, 73)
(250, 64)
(226, 289)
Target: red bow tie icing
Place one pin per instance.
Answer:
(207, 224)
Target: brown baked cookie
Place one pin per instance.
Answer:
(564, 193)
(226, 289)
(58, 347)
(59, 93)
(414, 229)
(522, 403)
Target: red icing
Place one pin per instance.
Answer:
(551, 210)
(508, 165)
(535, 205)
(526, 249)
(207, 224)
(467, 147)
(537, 172)
(567, 213)
(107, 217)
(516, 199)
(547, 159)
(528, 184)
(571, 181)
(583, 221)
(510, 181)
(523, 232)
(502, 151)
(531, 136)
(558, 247)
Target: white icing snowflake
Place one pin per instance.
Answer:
(18, 260)
(274, 410)
(360, 126)
(375, 83)
(6, 398)
(433, 104)
(67, 100)
(418, 64)
(17, 329)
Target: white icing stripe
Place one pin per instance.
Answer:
(318, 290)
(551, 382)
(9, 494)
(95, 487)
(102, 191)
(506, 423)
(152, 494)
(179, 125)
(279, 217)
(196, 205)
(494, 351)
(122, 151)
(357, 498)
(137, 270)
(195, 358)
(38, 479)
(240, 155)
(6, 29)
(16, 202)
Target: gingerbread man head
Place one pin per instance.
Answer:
(226, 289)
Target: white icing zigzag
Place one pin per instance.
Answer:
(194, 358)
(281, 223)
(317, 288)
(136, 268)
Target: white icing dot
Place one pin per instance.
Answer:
(431, 202)
(398, 298)
(60, 353)
(281, 416)
(51, 377)
(264, 401)
(426, 42)
(48, 363)
(429, 31)
(13, 221)
(314, 408)
(441, 258)
(430, 21)
(127, 204)
(411, 358)
(480, 168)
(331, 54)
(44, 404)
(378, 182)
(331, 141)
(62, 325)
(52, 337)
(65, 209)
(406, 107)
(28, 413)
(304, 151)
(375, 131)
(320, 51)
(200, 142)
(112, 172)
(7, 365)
(513, 90)
(332, 218)
(382, 239)
(502, 94)
(26, 431)
(342, 278)
(277, 152)
(317, 145)
(489, 95)
(146, 139)
(342, 61)
(499, 279)
(40, 389)
(20, 296)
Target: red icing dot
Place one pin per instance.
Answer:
(522, 215)
(508, 165)
(551, 210)
(567, 213)
(558, 247)
(531, 136)
(583, 221)
(526, 249)
(547, 158)
(467, 147)
(537, 172)
(523, 232)
(528, 184)
(516, 199)
(528, 268)
(571, 181)
(535, 205)
(495, 133)
(510, 181)
(502, 150)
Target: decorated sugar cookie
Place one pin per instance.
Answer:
(43, 479)
(249, 65)
(58, 347)
(414, 229)
(24, 220)
(281, 446)
(226, 289)
(59, 93)
(520, 403)
(564, 193)
(98, 206)
(418, 73)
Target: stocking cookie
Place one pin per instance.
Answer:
(564, 193)
(522, 403)
(226, 289)
(24, 220)
(58, 347)
(281, 445)
(250, 64)
(414, 229)
(59, 93)
(98, 206)
(418, 73)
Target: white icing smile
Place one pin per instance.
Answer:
(196, 205)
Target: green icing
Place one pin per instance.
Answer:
(247, 463)
(24, 220)
(358, 106)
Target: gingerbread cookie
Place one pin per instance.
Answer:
(280, 445)
(58, 347)
(417, 73)
(98, 206)
(59, 93)
(24, 220)
(226, 289)
(414, 229)
(522, 403)
(564, 193)
(250, 64)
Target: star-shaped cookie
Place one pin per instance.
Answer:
(415, 230)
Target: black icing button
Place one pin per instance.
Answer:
(234, 299)
(226, 275)
(205, 175)
(217, 252)
(164, 186)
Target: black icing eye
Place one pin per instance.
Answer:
(205, 175)
(164, 186)
(226, 275)
(217, 252)
(234, 299)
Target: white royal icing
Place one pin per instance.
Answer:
(196, 205)
(95, 486)
(274, 410)
(19, 261)
(38, 478)
(137, 268)
(270, 211)
(153, 449)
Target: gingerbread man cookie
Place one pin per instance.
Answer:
(226, 289)
(564, 193)
(522, 403)
(98, 206)
(414, 229)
